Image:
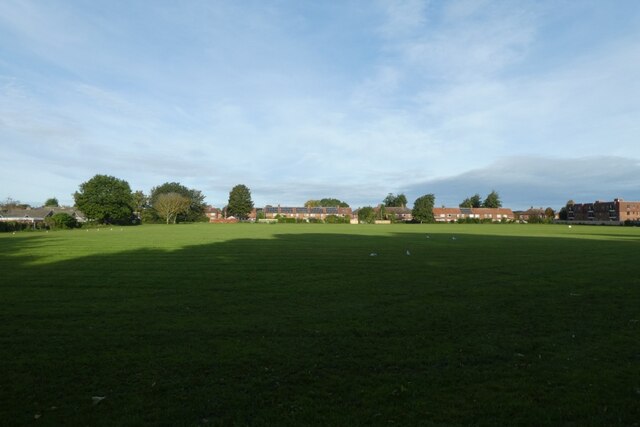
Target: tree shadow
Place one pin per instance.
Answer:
(311, 328)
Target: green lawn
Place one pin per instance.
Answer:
(254, 324)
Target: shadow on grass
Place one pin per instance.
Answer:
(312, 329)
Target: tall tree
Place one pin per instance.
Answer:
(472, 202)
(423, 208)
(52, 202)
(140, 202)
(196, 198)
(366, 215)
(105, 199)
(170, 205)
(393, 201)
(492, 200)
(549, 213)
(240, 204)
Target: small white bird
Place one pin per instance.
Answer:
(373, 254)
(97, 399)
(453, 238)
(408, 253)
(428, 237)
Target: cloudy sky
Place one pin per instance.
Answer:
(539, 100)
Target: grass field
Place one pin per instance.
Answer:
(297, 324)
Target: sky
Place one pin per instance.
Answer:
(538, 100)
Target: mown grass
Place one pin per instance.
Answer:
(297, 324)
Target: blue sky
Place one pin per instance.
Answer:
(298, 100)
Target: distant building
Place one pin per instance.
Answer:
(396, 213)
(529, 214)
(616, 211)
(444, 214)
(38, 215)
(319, 212)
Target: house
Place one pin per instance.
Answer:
(530, 214)
(616, 211)
(401, 213)
(304, 213)
(445, 214)
(33, 216)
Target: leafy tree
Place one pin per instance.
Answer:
(333, 202)
(492, 200)
(140, 202)
(240, 203)
(549, 213)
(326, 202)
(196, 200)
(170, 205)
(423, 208)
(562, 214)
(52, 202)
(105, 199)
(472, 202)
(399, 201)
(61, 220)
(366, 215)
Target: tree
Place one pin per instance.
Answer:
(52, 202)
(562, 214)
(328, 201)
(393, 201)
(196, 200)
(9, 204)
(423, 208)
(170, 205)
(140, 202)
(61, 220)
(549, 213)
(472, 202)
(366, 215)
(105, 199)
(492, 200)
(240, 203)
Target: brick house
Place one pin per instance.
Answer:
(616, 211)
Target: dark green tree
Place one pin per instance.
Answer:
(61, 220)
(366, 215)
(52, 202)
(562, 214)
(492, 200)
(393, 201)
(240, 203)
(423, 208)
(197, 205)
(472, 202)
(105, 199)
(328, 201)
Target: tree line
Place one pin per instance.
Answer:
(108, 200)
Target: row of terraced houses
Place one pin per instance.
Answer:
(399, 213)
(616, 211)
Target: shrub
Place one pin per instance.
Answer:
(61, 220)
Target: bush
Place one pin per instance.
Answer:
(61, 221)
(335, 219)
(11, 226)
